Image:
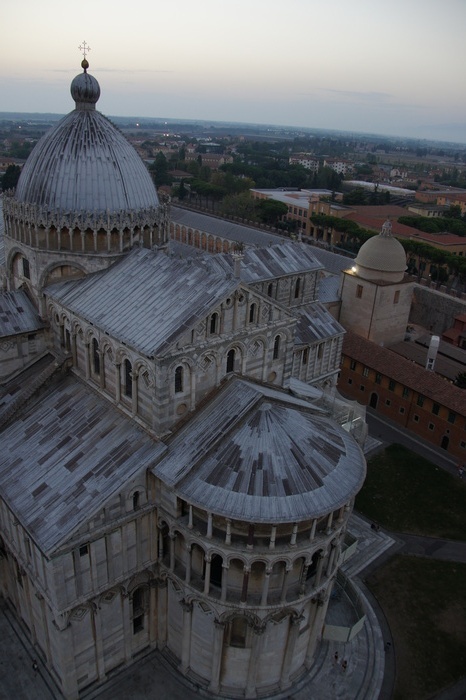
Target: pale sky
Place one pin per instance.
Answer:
(393, 67)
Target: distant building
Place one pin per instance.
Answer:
(307, 160)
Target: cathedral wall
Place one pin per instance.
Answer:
(17, 351)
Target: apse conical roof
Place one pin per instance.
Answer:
(84, 164)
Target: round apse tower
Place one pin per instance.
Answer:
(84, 198)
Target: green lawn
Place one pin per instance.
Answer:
(423, 599)
(406, 493)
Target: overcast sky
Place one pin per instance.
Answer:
(394, 67)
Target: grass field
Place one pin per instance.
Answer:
(406, 493)
(424, 600)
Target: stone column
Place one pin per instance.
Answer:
(293, 633)
(256, 648)
(284, 587)
(134, 392)
(244, 590)
(228, 532)
(117, 382)
(294, 535)
(208, 561)
(219, 630)
(190, 518)
(320, 566)
(127, 626)
(209, 526)
(99, 649)
(162, 602)
(313, 530)
(223, 595)
(87, 360)
(186, 636)
(102, 368)
(187, 577)
(273, 536)
(172, 551)
(66, 664)
(265, 586)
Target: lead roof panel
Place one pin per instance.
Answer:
(147, 299)
(65, 457)
(262, 456)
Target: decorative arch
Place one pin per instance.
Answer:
(47, 276)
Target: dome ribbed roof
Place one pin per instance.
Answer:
(382, 252)
(84, 164)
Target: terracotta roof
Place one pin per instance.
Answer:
(405, 372)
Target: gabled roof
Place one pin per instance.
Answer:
(17, 314)
(280, 260)
(258, 454)
(315, 323)
(65, 457)
(405, 372)
(147, 299)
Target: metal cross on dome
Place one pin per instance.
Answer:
(84, 48)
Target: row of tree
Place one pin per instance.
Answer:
(443, 267)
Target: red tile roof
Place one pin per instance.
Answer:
(405, 372)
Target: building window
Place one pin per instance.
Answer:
(231, 361)
(252, 313)
(362, 387)
(463, 444)
(359, 289)
(138, 610)
(435, 409)
(320, 351)
(431, 426)
(270, 290)
(392, 385)
(95, 356)
(83, 550)
(350, 381)
(276, 347)
(26, 269)
(305, 356)
(405, 393)
(297, 288)
(451, 417)
(396, 297)
(213, 324)
(365, 372)
(128, 387)
(178, 379)
(378, 378)
(238, 630)
(388, 402)
(416, 418)
(420, 400)
(402, 410)
(136, 500)
(353, 364)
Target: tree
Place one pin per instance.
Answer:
(159, 170)
(271, 211)
(11, 177)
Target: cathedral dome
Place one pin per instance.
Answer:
(382, 256)
(84, 165)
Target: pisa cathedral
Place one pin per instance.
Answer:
(177, 471)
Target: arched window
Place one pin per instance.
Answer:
(136, 500)
(237, 634)
(214, 324)
(276, 347)
(252, 313)
(270, 290)
(128, 388)
(178, 379)
(231, 360)
(297, 288)
(137, 610)
(95, 356)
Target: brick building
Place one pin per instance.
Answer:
(404, 392)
